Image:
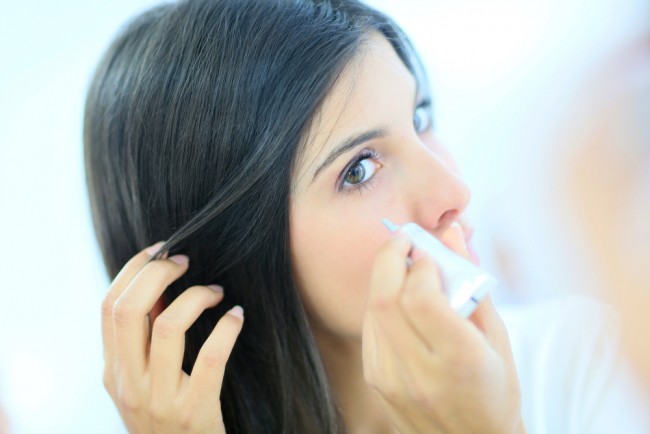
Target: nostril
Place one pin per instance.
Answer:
(447, 218)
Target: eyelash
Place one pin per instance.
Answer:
(371, 153)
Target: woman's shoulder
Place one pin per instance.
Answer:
(573, 380)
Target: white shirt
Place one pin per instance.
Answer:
(573, 380)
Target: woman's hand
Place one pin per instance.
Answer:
(143, 371)
(435, 371)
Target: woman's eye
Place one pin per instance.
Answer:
(421, 119)
(357, 173)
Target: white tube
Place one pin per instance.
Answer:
(465, 283)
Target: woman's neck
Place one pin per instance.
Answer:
(360, 405)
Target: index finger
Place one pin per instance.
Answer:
(119, 284)
(389, 271)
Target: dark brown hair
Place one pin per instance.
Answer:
(193, 125)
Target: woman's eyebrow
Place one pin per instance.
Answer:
(348, 144)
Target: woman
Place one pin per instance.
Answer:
(265, 141)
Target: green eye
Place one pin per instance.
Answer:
(357, 173)
(360, 174)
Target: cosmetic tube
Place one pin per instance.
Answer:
(464, 283)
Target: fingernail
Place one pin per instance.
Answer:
(153, 249)
(180, 259)
(237, 311)
(216, 288)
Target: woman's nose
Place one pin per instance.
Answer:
(437, 195)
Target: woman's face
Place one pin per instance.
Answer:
(338, 201)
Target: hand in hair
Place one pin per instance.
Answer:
(435, 371)
(143, 365)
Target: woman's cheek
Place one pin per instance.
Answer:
(335, 274)
(356, 267)
(334, 244)
(348, 275)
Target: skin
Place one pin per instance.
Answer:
(338, 238)
(143, 365)
(400, 359)
(335, 235)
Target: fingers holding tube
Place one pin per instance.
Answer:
(385, 326)
(425, 305)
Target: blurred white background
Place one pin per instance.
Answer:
(504, 76)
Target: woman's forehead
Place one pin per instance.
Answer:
(373, 87)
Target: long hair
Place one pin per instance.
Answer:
(194, 123)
